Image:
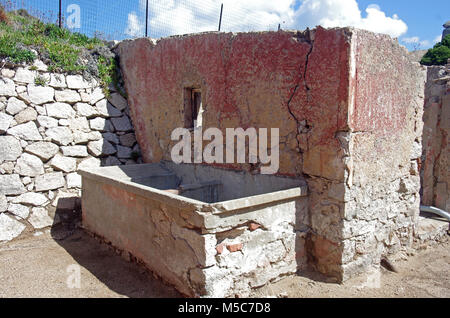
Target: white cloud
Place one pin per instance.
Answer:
(339, 13)
(134, 27)
(437, 39)
(416, 42)
(142, 4)
(180, 17)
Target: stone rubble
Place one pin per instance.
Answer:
(3, 203)
(10, 148)
(5, 122)
(28, 132)
(19, 210)
(9, 228)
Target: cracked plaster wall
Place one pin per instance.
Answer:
(347, 103)
(435, 172)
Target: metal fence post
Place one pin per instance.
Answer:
(59, 15)
(146, 19)
(220, 19)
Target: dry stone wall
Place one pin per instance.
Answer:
(49, 132)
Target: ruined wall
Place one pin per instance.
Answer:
(247, 80)
(49, 132)
(385, 119)
(372, 208)
(435, 172)
(347, 103)
(294, 81)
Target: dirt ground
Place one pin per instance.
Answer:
(423, 275)
(45, 266)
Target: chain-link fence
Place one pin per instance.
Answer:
(119, 19)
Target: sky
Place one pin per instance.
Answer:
(416, 24)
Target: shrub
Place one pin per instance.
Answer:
(439, 54)
(9, 49)
(63, 57)
(55, 33)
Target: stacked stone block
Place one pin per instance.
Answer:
(49, 132)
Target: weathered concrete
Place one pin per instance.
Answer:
(217, 250)
(348, 106)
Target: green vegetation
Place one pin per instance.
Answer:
(60, 46)
(24, 38)
(439, 54)
(10, 49)
(107, 73)
(40, 81)
(64, 57)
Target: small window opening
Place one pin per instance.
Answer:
(193, 111)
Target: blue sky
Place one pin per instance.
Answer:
(417, 24)
(424, 18)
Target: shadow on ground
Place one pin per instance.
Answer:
(119, 275)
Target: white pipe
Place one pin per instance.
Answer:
(432, 209)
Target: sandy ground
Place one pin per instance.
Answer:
(424, 275)
(46, 266)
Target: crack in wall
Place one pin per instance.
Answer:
(301, 37)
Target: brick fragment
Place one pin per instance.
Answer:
(254, 226)
(234, 247)
(219, 248)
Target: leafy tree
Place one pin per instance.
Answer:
(439, 54)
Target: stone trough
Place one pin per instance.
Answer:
(205, 230)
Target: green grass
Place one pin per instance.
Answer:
(10, 49)
(61, 46)
(64, 57)
(107, 72)
(107, 69)
(21, 36)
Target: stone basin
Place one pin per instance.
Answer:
(209, 232)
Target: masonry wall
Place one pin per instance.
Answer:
(383, 183)
(49, 132)
(247, 80)
(435, 172)
(347, 103)
(371, 208)
(294, 81)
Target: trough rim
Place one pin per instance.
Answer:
(185, 203)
